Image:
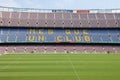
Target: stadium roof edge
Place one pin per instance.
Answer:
(15, 9)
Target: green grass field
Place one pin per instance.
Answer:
(60, 67)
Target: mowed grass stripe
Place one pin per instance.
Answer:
(50, 73)
(58, 67)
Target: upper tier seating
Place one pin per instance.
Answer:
(59, 20)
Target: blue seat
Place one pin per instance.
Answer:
(50, 38)
(96, 38)
(3, 38)
(21, 38)
(5, 31)
(105, 38)
(13, 31)
(115, 32)
(23, 31)
(115, 39)
(12, 38)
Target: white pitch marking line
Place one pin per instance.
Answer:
(73, 68)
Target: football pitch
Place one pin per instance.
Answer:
(60, 67)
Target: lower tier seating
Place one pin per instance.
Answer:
(58, 49)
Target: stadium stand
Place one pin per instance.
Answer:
(56, 49)
(66, 20)
(9, 35)
(70, 31)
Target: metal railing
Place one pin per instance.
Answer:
(14, 9)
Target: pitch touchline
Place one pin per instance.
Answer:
(73, 67)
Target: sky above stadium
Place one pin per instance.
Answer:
(62, 4)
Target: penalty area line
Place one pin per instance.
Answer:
(73, 67)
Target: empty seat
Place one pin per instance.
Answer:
(110, 20)
(75, 16)
(89, 49)
(23, 22)
(19, 49)
(117, 49)
(21, 38)
(51, 23)
(5, 21)
(69, 49)
(101, 20)
(105, 38)
(84, 23)
(111, 23)
(96, 38)
(84, 20)
(14, 21)
(32, 23)
(50, 48)
(2, 49)
(24, 31)
(5, 18)
(10, 49)
(99, 49)
(24, 19)
(59, 23)
(3, 38)
(50, 16)
(60, 49)
(67, 16)
(30, 49)
(40, 49)
(33, 15)
(75, 20)
(76, 23)
(79, 49)
(12, 38)
(50, 39)
(42, 22)
(33, 20)
(102, 23)
(4, 31)
(59, 20)
(117, 18)
(68, 23)
(92, 20)
(115, 38)
(93, 23)
(58, 16)
(109, 49)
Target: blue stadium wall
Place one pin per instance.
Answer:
(30, 35)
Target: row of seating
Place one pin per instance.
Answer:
(91, 38)
(59, 16)
(55, 20)
(18, 31)
(58, 49)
